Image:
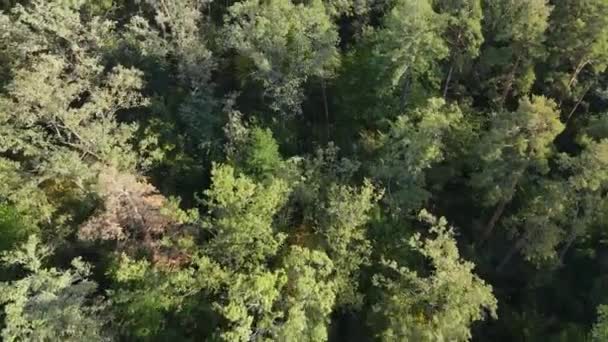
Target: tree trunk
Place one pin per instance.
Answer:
(577, 71)
(487, 232)
(447, 81)
(577, 104)
(569, 242)
(404, 89)
(510, 80)
(512, 251)
(326, 108)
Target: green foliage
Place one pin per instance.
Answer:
(47, 303)
(309, 298)
(600, 329)
(518, 32)
(58, 111)
(254, 150)
(285, 43)
(578, 42)
(13, 230)
(21, 191)
(39, 119)
(241, 214)
(440, 306)
(517, 146)
(144, 294)
(409, 45)
(251, 170)
(463, 33)
(293, 302)
(539, 224)
(413, 143)
(343, 230)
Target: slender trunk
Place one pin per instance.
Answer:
(569, 242)
(487, 232)
(326, 108)
(578, 102)
(577, 71)
(509, 83)
(512, 251)
(579, 67)
(447, 81)
(404, 89)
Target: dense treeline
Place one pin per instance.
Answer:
(304, 170)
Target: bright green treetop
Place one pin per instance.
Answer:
(286, 43)
(440, 306)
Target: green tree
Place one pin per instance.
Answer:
(293, 302)
(412, 145)
(600, 328)
(517, 29)
(343, 228)
(146, 295)
(309, 296)
(13, 229)
(517, 147)
(58, 112)
(241, 216)
(47, 303)
(558, 212)
(283, 44)
(436, 307)
(578, 43)
(409, 46)
(463, 34)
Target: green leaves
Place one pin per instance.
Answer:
(518, 30)
(48, 303)
(518, 145)
(440, 306)
(409, 44)
(600, 329)
(241, 214)
(413, 144)
(286, 44)
(343, 228)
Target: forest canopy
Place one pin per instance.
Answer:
(304, 170)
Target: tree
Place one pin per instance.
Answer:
(58, 111)
(293, 302)
(13, 229)
(409, 46)
(309, 296)
(240, 218)
(440, 306)
(517, 147)
(145, 295)
(463, 33)
(600, 328)
(588, 180)
(342, 226)
(252, 149)
(348, 7)
(557, 212)
(578, 42)
(136, 218)
(48, 303)
(413, 144)
(517, 30)
(19, 190)
(538, 226)
(283, 45)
